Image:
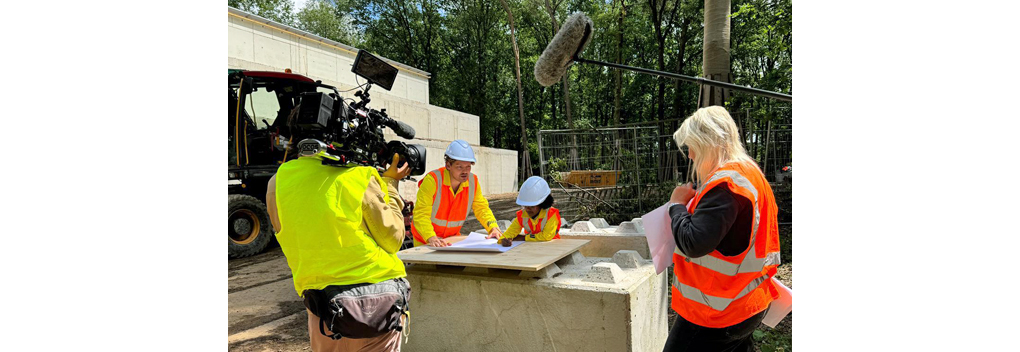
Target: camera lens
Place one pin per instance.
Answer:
(416, 158)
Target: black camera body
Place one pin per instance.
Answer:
(343, 131)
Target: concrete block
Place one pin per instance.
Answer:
(608, 273)
(547, 272)
(600, 223)
(562, 313)
(575, 258)
(503, 225)
(605, 245)
(627, 259)
(638, 221)
(630, 227)
(585, 226)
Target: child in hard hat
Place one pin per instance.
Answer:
(538, 219)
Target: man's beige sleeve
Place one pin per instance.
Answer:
(274, 218)
(382, 214)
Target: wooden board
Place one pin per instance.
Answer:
(530, 256)
(591, 178)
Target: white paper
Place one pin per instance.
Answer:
(660, 237)
(476, 242)
(780, 307)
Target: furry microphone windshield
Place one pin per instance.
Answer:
(573, 36)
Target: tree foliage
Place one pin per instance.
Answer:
(281, 11)
(329, 19)
(466, 46)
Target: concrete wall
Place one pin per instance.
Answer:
(254, 43)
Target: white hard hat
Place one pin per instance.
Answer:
(460, 150)
(533, 191)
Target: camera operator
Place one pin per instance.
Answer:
(337, 226)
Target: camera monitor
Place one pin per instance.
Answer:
(374, 69)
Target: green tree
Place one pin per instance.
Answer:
(281, 11)
(328, 19)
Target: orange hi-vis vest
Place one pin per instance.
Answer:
(718, 291)
(530, 229)
(448, 211)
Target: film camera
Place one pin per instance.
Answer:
(343, 131)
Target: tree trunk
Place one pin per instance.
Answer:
(525, 156)
(618, 82)
(618, 74)
(551, 9)
(673, 160)
(716, 52)
(663, 19)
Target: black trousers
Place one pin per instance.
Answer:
(686, 336)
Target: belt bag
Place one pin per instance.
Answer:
(360, 311)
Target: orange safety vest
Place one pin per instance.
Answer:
(448, 210)
(718, 291)
(531, 229)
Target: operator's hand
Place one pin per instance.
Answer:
(495, 233)
(682, 194)
(397, 173)
(435, 241)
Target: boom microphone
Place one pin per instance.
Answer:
(401, 129)
(573, 36)
(565, 48)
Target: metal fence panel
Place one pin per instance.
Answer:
(619, 173)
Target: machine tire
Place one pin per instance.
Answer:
(248, 227)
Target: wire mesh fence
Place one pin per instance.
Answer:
(622, 172)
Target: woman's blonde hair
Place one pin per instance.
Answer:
(713, 137)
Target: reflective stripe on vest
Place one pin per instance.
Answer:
(717, 303)
(751, 262)
(438, 198)
(541, 224)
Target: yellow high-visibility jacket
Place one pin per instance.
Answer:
(322, 234)
(423, 207)
(550, 230)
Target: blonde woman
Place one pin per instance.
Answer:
(727, 239)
